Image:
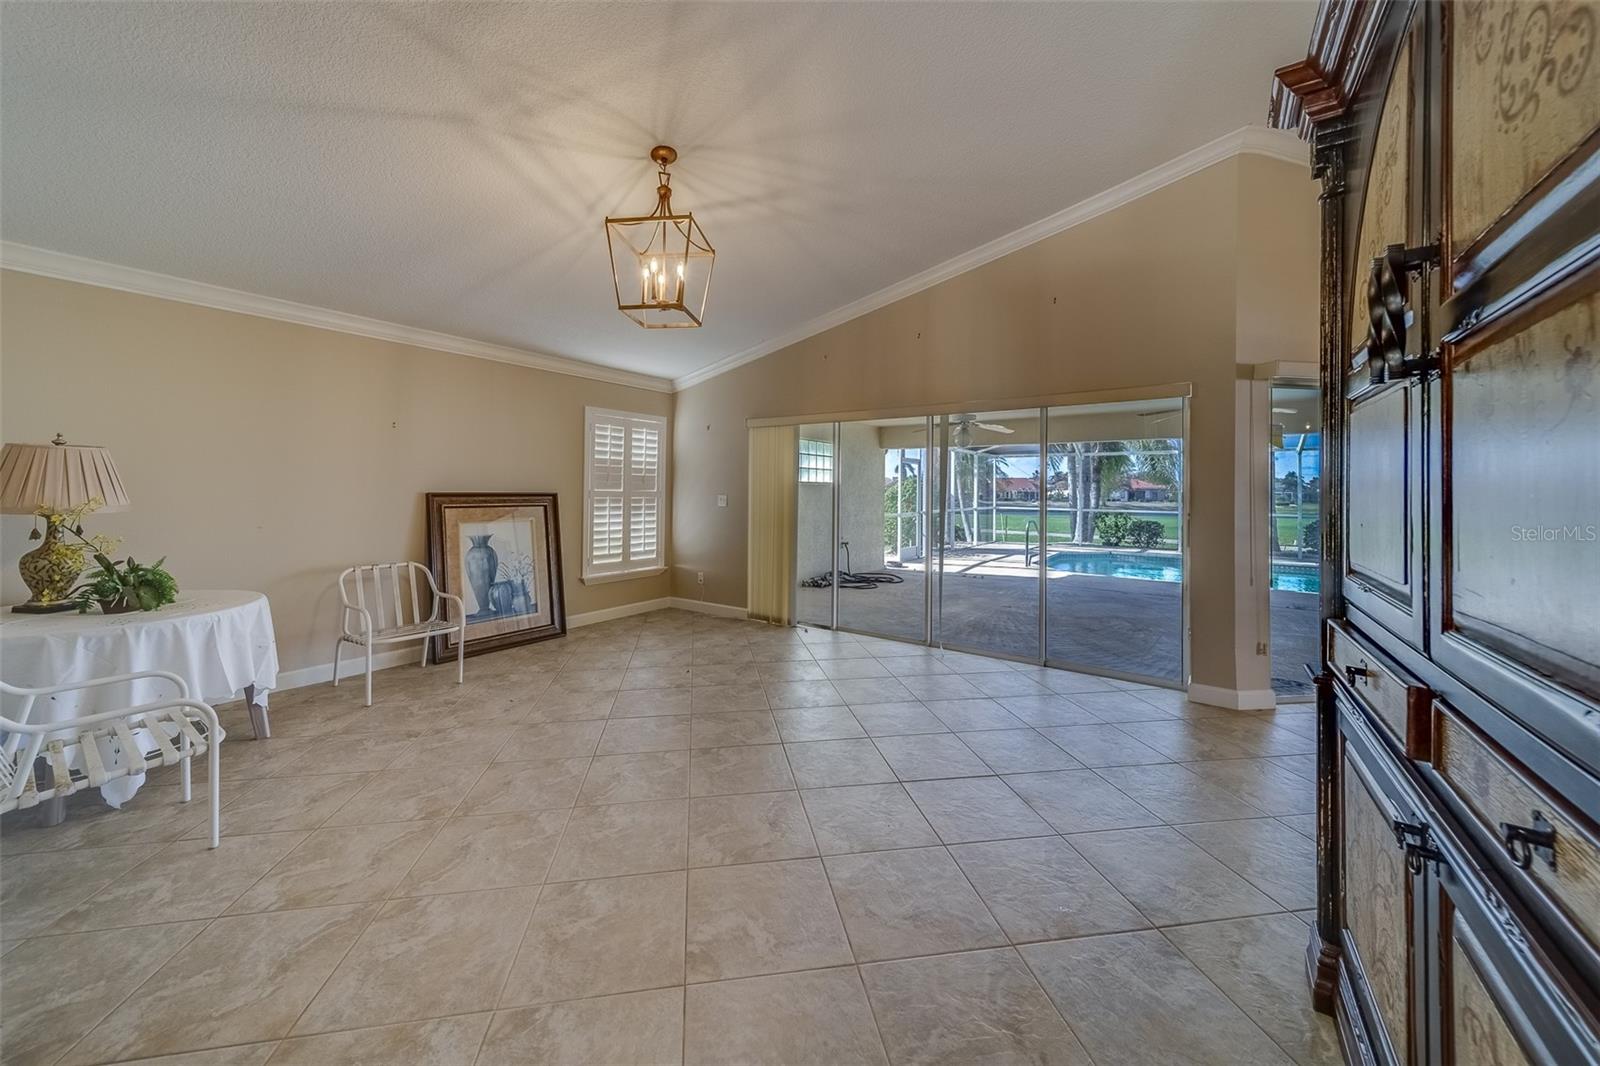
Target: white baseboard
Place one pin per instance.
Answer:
(720, 610)
(589, 618)
(1249, 699)
(354, 664)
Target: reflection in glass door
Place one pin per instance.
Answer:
(883, 527)
(1114, 551)
(814, 526)
(1294, 535)
(1043, 535)
(989, 560)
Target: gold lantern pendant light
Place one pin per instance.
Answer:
(661, 262)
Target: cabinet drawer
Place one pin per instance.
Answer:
(1398, 702)
(1500, 795)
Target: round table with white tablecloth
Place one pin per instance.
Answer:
(219, 641)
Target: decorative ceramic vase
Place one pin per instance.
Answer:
(50, 569)
(503, 597)
(482, 563)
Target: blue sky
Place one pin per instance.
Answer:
(1310, 460)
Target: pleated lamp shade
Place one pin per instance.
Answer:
(57, 477)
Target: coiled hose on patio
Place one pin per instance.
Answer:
(869, 579)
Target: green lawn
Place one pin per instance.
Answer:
(1289, 529)
(1011, 526)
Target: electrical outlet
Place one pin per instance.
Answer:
(1261, 648)
(722, 499)
(700, 577)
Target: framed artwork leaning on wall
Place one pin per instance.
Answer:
(501, 553)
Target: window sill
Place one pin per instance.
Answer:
(622, 575)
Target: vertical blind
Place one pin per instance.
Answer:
(623, 490)
(773, 488)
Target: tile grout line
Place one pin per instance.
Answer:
(1249, 1017)
(545, 880)
(89, 1030)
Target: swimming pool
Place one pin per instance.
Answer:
(1289, 577)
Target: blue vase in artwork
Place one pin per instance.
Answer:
(482, 563)
(503, 598)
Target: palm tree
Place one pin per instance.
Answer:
(1093, 468)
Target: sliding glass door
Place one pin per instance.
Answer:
(1046, 535)
(1294, 536)
(883, 527)
(989, 559)
(1115, 547)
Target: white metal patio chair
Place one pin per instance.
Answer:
(92, 749)
(386, 623)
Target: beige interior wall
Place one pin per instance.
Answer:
(1278, 259)
(1145, 295)
(266, 455)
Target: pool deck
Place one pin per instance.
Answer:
(1126, 626)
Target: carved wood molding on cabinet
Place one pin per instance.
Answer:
(1320, 86)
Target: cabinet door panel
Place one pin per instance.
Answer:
(1377, 904)
(1524, 89)
(1504, 996)
(1475, 1028)
(1379, 509)
(1383, 512)
(1525, 495)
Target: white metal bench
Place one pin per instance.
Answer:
(92, 749)
(368, 619)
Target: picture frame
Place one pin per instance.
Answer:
(501, 553)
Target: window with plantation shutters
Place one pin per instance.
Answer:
(624, 489)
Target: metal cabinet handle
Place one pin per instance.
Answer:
(1356, 675)
(1389, 311)
(1416, 840)
(1523, 842)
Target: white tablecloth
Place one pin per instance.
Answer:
(218, 641)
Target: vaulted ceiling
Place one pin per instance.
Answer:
(447, 166)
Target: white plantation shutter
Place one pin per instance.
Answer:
(642, 542)
(605, 457)
(624, 485)
(605, 529)
(644, 456)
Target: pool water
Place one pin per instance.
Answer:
(1289, 577)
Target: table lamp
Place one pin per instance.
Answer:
(49, 481)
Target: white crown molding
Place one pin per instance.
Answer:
(1247, 140)
(42, 261)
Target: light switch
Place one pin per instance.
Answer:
(722, 499)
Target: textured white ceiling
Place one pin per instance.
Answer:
(447, 166)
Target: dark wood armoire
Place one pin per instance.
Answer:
(1458, 151)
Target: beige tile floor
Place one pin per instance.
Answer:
(674, 838)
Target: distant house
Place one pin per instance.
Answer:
(1142, 491)
(1016, 489)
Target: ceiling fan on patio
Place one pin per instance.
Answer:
(962, 426)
